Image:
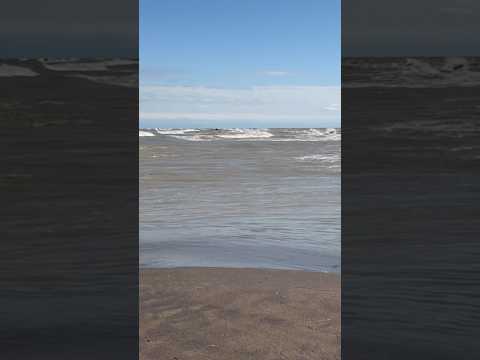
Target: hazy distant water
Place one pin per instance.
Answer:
(240, 198)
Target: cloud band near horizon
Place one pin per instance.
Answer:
(315, 106)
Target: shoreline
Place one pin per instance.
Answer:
(238, 313)
(307, 270)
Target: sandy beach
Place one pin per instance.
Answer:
(238, 314)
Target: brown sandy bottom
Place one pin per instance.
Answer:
(241, 314)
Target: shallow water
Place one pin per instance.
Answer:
(265, 198)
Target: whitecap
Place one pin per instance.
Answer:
(328, 134)
(175, 131)
(329, 158)
(145, 133)
(245, 134)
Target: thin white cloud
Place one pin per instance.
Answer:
(332, 107)
(276, 103)
(220, 116)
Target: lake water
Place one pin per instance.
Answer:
(263, 198)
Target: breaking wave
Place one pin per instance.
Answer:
(326, 160)
(142, 133)
(174, 131)
(236, 134)
(320, 157)
(328, 134)
(246, 134)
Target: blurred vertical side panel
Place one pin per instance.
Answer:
(69, 179)
(410, 180)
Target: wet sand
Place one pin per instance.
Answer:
(239, 314)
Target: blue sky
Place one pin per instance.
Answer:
(252, 63)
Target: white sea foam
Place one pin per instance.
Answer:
(329, 134)
(194, 137)
(175, 131)
(223, 134)
(246, 134)
(330, 158)
(316, 132)
(236, 134)
(145, 133)
(13, 70)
